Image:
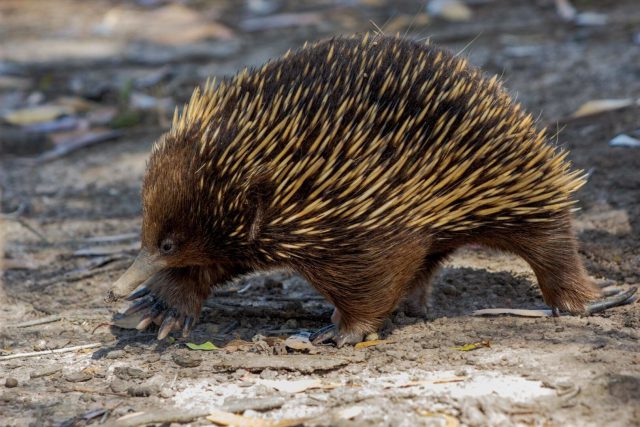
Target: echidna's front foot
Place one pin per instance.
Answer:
(171, 298)
(159, 312)
(332, 333)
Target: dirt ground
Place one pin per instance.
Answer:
(132, 62)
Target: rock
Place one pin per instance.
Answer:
(119, 386)
(298, 341)
(116, 354)
(125, 373)
(268, 374)
(139, 391)
(186, 360)
(11, 383)
(297, 362)
(624, 387)
(237, 405)
(167, 393)
(78, 377)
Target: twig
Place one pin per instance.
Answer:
(158, 417)
(83, 141)
(113, 238)
(47, 352)
(92, 391)
(40, 321)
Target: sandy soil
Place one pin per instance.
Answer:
(536, 371)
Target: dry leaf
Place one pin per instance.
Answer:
(17, 264)
(173, 25)
(450, 421)
(598, 106)
(298, 342)
(350, 412)
(473, 346)
(623, 140)
(42, 113)
(405, 22)
(451, 10)
(236, 345)
(292, 386)
(512, 311)
(455, 379)
(365, 344)
(228, 419)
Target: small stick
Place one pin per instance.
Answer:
(158, 417)
(41, 321)
(111, 238)
(47, 352)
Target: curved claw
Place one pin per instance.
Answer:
(144, 322)
(187, 325)
(138, 306)
(331, 332)
(150, 316)
(620, 299)
(138, 294)
(323, 334)
(167, 324)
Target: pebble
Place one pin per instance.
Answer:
(167, 393)
(186, 360)
(125, 373)
(268, 374)
(139, 391)
(78, 377)
(11, 383)
(450, 290)
(119, 386)
(40, 345)
(298, 342)
(116, 354)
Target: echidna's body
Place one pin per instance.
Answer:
(360, 163)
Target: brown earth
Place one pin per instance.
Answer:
(536, 371)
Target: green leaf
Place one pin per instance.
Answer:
(207, 346)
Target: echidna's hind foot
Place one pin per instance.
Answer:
(565, 285)
(553, 256)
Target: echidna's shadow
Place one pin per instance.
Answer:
(458, 291)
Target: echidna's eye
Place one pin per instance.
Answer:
(167, 246)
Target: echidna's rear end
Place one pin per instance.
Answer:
(361, 163)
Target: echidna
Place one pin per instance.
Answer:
(360, 163)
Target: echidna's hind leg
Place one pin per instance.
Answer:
(554, 258)
(416, 301)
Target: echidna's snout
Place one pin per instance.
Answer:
(144, 266)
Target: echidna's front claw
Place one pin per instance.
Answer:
(332, 332)
(168, 324)
(138, 306)
(187, 325)
(154, 312)
(323, 334)
(144, 291)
